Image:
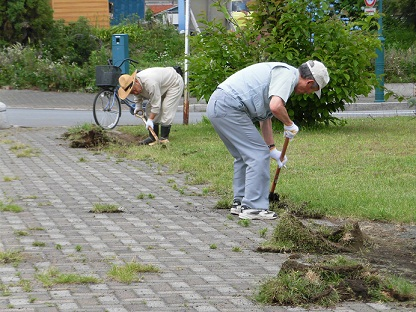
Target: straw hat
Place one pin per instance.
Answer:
(126, 83)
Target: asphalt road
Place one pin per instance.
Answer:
(67, 118)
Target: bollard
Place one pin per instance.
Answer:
(3, 118)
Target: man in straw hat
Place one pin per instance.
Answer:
(257, 93)
(163, 87)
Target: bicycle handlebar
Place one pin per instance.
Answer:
(110, 62)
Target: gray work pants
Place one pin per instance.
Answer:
(251, 155)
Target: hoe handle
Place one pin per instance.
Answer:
(282, 157)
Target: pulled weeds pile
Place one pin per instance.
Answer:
(328, 264)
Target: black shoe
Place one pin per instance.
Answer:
(147, 141)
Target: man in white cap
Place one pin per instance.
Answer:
(257, 93)
(163, 87)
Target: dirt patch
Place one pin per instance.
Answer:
(392, 248)
(97, 137)
(124, 138)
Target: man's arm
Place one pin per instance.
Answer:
(266, 130)
(278, 109)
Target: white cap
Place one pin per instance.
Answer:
(319, 73)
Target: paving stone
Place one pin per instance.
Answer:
(57, 192)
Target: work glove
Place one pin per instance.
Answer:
(275, 154)
(137, 109)
(290, 131)
(149, 123)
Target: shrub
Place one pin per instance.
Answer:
(24, 21)
(291, 32)
(400, 64)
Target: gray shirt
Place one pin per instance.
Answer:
(254, 86)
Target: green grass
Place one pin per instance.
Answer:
(10, 256)
(365, 169)
(53, 276)
(106, 208)
(22, 150)
(128, 273)
(10, 207)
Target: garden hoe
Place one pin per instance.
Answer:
(274, 197)
(140, 114)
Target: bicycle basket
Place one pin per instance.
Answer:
(107, 75)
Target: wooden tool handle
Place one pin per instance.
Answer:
(282, 157)
(149, 128)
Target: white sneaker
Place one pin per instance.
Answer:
(257, 214)
(236, 208)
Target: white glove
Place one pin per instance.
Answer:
(149, 123)
(290, 131)
(275, 154)
(137, 109)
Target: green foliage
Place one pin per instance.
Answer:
(150, 44)
(291, 32)
(27, 68)
(73, 42)
(400, 12)
(24, 21)
(216, 53)
(400, 64)
(66, 59)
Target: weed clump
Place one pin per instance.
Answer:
(291, 235)
(86, 136)
(331, 281)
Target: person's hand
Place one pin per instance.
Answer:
(149, 123)
(137, 109)
(275, 154)
(290, 131)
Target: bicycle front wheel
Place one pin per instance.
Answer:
(106, 109)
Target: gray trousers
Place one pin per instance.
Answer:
(251, 155)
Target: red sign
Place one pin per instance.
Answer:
(370, 3)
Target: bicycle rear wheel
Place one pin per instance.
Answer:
(106, 109)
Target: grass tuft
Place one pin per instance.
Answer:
(10, 207)
(128, 273)
(10, 256)
(53, 276)
(106, 208)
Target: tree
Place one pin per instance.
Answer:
(24, 21)
(400, 13)
(292, 31)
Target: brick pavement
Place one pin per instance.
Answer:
(173, 231)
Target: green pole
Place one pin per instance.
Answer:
(379, 91)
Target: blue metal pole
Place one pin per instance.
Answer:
(379, 91)
(181, 16)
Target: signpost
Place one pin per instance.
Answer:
(370, 10)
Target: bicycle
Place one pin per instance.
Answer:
(107, 104)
